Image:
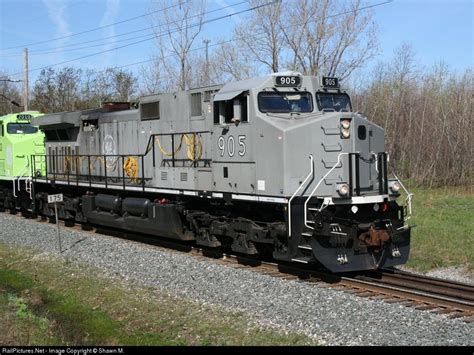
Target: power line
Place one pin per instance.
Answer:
(52, 50)
(362, 8)
(97, 28)
(10, 100)
(11, 81)
(201, 48)
(163, 57)
(58, 49)
(236, 38)
(168, 32)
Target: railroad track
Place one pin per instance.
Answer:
(454, 299)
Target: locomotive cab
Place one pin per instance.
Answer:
(18, 139)
(330, 164)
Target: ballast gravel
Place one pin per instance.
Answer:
(330, 317)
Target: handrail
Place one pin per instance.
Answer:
(317, 185)
(409, 194)
(20, 175)
(28, 181)
(298, 189)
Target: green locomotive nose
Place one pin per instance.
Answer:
(19, 139)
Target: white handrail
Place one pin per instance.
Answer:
(317, 185)
(20, 176)
(298, 189)
(28, 183)
(408, 199)
(409, 194)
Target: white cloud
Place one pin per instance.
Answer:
(57, 14)
(111, 12)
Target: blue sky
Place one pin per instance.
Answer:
(437, 30)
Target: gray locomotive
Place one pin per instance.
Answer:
(272, 166)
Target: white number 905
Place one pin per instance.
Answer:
(221, 144)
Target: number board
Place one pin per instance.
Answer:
(24, 117)
(55, 198)
(287, 81)
(329, 82)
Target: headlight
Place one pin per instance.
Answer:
(345, 124)
(343, 189)
(345, 128)
(394, 186)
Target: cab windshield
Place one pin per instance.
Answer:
(333, 102)
(285, 102)
(21, 128)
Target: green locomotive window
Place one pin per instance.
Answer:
(285, 102)
(21, 128)
(333, 102)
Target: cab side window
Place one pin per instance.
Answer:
(230, 110)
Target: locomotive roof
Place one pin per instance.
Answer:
(62, 118)
(13, 117)
(231, 90)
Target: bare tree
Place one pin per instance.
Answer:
(152, 77)
(177, 30)
(10, 96)
(44, 93)
(57, 91)
(328, 37)
(324, 37)
(111, 84)
(427, 116)
(69, 89)
(260, 35)
(229, 63)
(307, 31)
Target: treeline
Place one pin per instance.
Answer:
(427, 116)
(70, 89)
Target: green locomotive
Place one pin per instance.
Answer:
(19, 139)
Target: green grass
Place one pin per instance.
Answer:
(49, 302)
(444, 235)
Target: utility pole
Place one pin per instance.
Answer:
(206, 41)
(25, 80)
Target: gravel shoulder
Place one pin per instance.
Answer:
(452, 273)
(330, 317)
